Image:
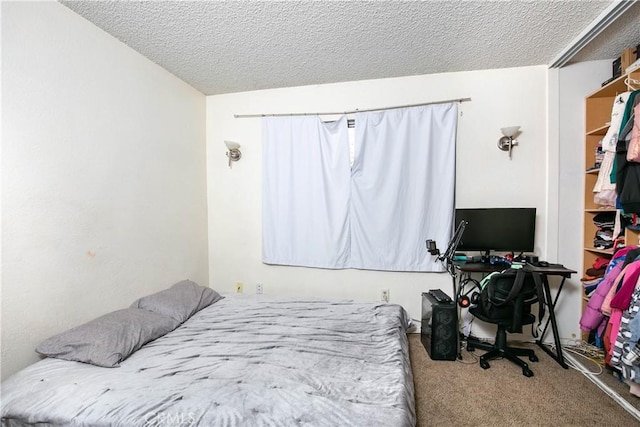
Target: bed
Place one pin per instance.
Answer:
(242, 361)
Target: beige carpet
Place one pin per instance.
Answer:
(461, 393)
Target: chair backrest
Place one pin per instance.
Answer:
(508, 297)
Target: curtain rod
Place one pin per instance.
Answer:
(247, 116)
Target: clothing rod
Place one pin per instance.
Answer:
(249, 116)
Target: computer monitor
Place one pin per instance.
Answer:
(497, 229)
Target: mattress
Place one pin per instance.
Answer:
(243, 361)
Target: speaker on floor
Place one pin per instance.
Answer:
(439, 331)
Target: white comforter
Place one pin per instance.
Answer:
(244, 361)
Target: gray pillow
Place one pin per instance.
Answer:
(109, 339)
(180, 302)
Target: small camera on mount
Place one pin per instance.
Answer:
(432, 248)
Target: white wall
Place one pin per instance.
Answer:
(103, 176)
(575, 82)
(485, 175)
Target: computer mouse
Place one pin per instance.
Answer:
(543, 264)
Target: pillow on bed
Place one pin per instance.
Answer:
(109, 339)
(180, 302)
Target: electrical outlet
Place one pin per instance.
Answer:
(259, 288)
(239, 287)
(384, 295)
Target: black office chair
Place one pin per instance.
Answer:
(506, 301)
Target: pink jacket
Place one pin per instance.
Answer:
(622, 298)
(592, 316)
(606, 304)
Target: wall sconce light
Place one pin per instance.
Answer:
(234, 153)
(508, 141)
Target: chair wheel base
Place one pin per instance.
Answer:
(484, 364)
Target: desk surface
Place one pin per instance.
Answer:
(552, 270)
(479, 267)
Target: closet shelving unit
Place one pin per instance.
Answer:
(598, 115)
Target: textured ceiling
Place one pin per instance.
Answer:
(221, 47)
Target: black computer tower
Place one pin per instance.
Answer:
(439, 331)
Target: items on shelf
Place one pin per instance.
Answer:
(594, 275)
(624, 61)
(631, 221)
(605, 223)
(598, 156)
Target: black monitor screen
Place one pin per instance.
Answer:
(497, 229)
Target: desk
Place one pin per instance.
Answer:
(544, 272)
(473, 267)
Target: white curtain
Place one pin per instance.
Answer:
(305, 195)
(320, 212)
(402, 187)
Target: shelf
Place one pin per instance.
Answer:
(600, 251)
(612, 88)
(598, 106)
(602, 130)
(598, 210)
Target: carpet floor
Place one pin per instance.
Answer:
(461, 393)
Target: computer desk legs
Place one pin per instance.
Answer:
(555, 300)
(558, 357)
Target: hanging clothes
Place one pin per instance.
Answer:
(627, 174)
(622, 298)
(633, 149)
(592, 316)
(606, 303)
(604, 188)
(627, 337)
(610, 140)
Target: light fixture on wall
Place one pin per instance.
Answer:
(508, 141)
(234, 153)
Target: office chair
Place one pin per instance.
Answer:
(506, 301)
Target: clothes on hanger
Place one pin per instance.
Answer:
(627, 174)
(627, 338)
(633, 150)
(614, 305)
(613, 310)
(604, 189)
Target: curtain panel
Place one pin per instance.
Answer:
(319, 211)
(305, 193)
(402, 187)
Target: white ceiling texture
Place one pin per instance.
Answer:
(234, 46)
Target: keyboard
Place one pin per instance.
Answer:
(440, 296)
(544, 264)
